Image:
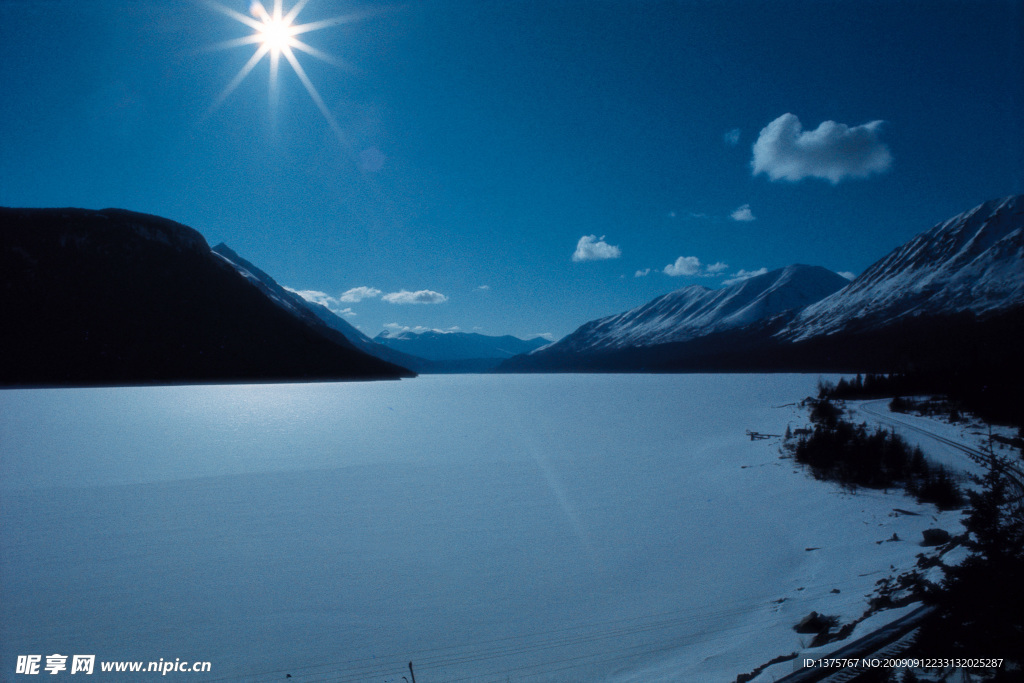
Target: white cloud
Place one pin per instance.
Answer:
(833, 151)
(684, 265)
(732, 137)
(742, 275)
(590, 248)
(691, 266)
(314, 296)
(359, 293)
(848, 275)
(484, 287)
(716, 268)
(423, 296)
(642, 273)
(743, 214)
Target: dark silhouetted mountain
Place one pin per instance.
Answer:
(117, 297)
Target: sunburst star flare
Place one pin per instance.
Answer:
(275, 35)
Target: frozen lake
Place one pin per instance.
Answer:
(487, 528)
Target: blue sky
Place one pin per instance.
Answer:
(513, 166)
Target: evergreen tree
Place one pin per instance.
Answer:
(981, 606)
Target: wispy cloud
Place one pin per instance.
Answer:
(743, 214)
(592, 248)
(423, 296)
(732, 137)
(833, 151)
(359, 293)
(716, 268)
(642, 273)
(741, 275)
(484, 288)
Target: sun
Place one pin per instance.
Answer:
(274, 35)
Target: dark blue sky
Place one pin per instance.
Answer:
(479, 144)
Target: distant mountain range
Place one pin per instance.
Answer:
(116, 297)
(953, 297)
(457, 351)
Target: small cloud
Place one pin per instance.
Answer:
(423, 296)
(544, 335)
(743, 214)
(313, 296)
(331, 303)
(484, 287)
(642, 273)
(684, 265)
(691, 266)
(590, 248)
(357, 294)
(833, 151)
(732, 137)
(742, 275)
(847, 274)
(716, 268)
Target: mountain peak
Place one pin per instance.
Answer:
(971, 262)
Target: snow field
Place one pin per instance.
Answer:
(535, 528)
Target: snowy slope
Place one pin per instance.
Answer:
(696, 311)
(971, 262)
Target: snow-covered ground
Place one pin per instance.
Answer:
(487, 528)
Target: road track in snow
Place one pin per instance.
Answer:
(1013, 472)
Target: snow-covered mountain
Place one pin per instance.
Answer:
(971, 262)
(453, 346)
(696, 311)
